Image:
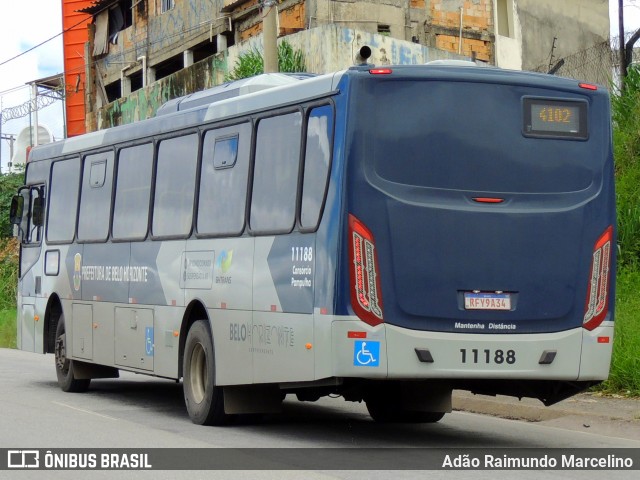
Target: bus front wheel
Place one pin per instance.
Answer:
(64, 366)
(204, 401)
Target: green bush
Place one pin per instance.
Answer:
(627, 164)
(9, 184)
(8, 272)
(8, 328)
(624, 376)
(252, 63)
(8, 246)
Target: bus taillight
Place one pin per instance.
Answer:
(380, 71)
(598, 289)
(366, 295)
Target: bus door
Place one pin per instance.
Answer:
(27, 213)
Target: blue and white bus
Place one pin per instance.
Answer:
(384, 234)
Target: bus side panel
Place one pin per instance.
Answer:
(66, 284)
(26, 325)
(359, 350)
(328, 237)
(166, 344)
(105, 272)
(99, 277)
(154, 273)
(218, 273)
(231, 331)
(282, 333)
(101, 326)
(597, 349)
(155, 270)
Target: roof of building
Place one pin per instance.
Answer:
(98, 6)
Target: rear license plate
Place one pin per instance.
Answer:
(487, 301)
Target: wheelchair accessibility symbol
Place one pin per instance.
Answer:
(366, 354)
(148, 341)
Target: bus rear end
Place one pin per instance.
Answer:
(479, 231)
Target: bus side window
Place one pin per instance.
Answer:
(223, 180)
(175, 186)
(36, 213)
(63, 204)
(95, 199)
(275, 177)
(133, 193)
(29, 216)
(316, 165)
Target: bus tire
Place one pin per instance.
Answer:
(204, 401)
(384, 411)
(64, 366)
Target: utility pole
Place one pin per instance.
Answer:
(626, 48)
(11, 138)
(623, 57)
(270, 36)
(34, 93)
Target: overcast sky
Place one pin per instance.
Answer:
(24, 24)
(27, 23)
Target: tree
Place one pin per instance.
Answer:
(9, 184)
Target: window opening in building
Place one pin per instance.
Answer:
(167, 5)
(384, 30)
(136, 81)
(204, 50)
(505, 17)
(169, 66)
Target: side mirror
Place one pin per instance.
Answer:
(38, 210)
(17, 207)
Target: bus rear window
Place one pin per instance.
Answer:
(469, 136)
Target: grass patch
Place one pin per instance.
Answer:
(624, 377)
(8, 328)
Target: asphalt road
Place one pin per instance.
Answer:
(136, 411)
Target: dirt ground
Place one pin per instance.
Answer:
(606, 415)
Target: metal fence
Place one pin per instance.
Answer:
(597, 64)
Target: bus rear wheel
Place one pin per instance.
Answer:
(64, 366)
(204, 401)
(387, 410)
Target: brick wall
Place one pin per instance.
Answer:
(477, 27)
(290, 20)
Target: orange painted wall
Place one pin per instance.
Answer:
(74, 65)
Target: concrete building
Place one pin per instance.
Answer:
(517, 34)
(143, 52)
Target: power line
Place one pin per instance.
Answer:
(42, 43)
(55, 36)
(122, 53)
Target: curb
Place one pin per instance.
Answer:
(584, 405)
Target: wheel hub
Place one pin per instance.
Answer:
(61, 352)
(199, 374)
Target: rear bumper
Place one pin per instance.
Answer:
(576, 354)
